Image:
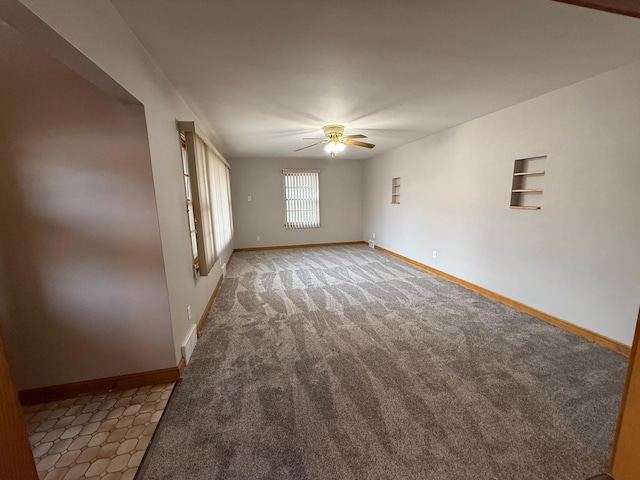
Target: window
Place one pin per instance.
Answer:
(206, 177)
(301, 199)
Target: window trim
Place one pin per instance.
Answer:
(208, 180)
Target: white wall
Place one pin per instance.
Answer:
(340, 202)
(97, 30)
(576, 258)
(83, 286)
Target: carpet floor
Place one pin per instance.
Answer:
(346, 363)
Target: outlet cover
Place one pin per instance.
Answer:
(435, 254)
(189, 312)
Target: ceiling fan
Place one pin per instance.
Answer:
(336, 141)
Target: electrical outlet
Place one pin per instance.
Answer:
(249, 198)
(435, 254)
(373, 235)
(258, 237)
(189, 312)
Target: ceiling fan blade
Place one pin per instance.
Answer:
(313, 138)
(308, 146)
(359, 144)
(359, 135)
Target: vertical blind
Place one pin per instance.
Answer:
(301, 198)
(221, 197)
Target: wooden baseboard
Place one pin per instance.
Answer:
(99, 385)
(588, 334)
(230, 258)
(122, 382)
(282, 247)
(207, 309)
(181, 364)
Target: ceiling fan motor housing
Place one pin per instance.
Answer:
(334, 132)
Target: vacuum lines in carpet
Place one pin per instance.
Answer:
(346, 363)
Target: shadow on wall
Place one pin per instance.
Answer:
(83, 291)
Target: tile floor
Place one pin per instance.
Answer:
(95, 437)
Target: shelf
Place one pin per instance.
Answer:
(527, 182)
(395, 190)
(537, 157)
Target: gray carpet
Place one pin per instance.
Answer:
(346, 363)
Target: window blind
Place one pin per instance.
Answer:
(221, 197)
(301, 198)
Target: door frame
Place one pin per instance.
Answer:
(16, 457)
(625, 462)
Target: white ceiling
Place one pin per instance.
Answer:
(263, 74)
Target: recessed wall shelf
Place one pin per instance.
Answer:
(526, 185)
(395, 190)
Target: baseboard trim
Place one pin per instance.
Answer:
(307, 245)
(588, 334)
(230, 258)
(181, 364)
(121, 382)
(207, 309)
(99, 385)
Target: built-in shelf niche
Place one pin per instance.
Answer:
(527, 183)
(395, 190)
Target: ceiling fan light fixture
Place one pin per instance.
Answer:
(335, 141)
(334, 147)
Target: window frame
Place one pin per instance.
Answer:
(206, 178)
(189, 196)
